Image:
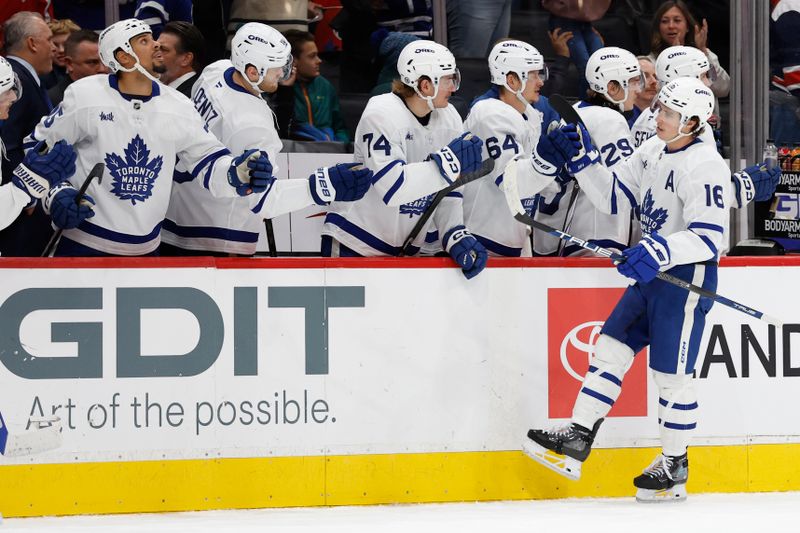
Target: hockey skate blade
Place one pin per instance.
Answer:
(673, 494)
(561, 464)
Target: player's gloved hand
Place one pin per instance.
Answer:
(764, 180)
(63, 209)
(307, 132)
(465, 250)
(743, 188)
(251, 172)
(345, 182)
(644, 260)
(40, 171)
(560, 145)
(587, 155)
(463, 154)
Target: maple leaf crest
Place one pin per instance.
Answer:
(134, 176)
(652, 219)
(417, 207)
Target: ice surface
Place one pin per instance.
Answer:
(773, 512)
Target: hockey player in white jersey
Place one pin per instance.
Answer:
(614, 80)
(228, 97)
(414, 142)
(138, 128)
(679, 185)
(38, 172)
(756, 182)
(512, 129)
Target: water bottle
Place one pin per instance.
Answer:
(770, 154)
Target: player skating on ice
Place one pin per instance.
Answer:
(512, 129)
(615, 79)
(37, 172)
(679, 185)
(414, 142)
(755, 182)
(138, 128)
(228, 97)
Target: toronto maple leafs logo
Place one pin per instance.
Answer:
(651, 219)
(529, 204)
(133, 177)
(417, 207)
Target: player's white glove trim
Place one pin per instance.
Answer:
(323, 190)
(542, 166)
(34, 184)
(657, 248)
(450, 164)
(745, 189)
(456, 236)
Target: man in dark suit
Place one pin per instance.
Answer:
(183, 49)
(29, 49)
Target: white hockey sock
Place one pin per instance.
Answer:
(603, 382)
(677, 411)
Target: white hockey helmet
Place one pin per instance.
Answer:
(689, 97)
(680, 61)
(8, 78)
(612, 64)
(427, 59)
(118, 36)
(262, 46)
(518, 57)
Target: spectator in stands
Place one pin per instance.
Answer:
(90, 14)
(317, 116)
(557, 82)
(61, 30)
(673, 24)
(577, 17)
(648, 92)
(473, 26)
(82, 59)
(279, 14)
(784, 55)
(29, 48)
(388, 52)
(157, 13)
(183, 50)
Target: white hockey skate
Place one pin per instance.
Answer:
(664, 480)
(44, 436)
(563, 449)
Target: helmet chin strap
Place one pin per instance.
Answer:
(428, 99)
(137, 67)
(620, 103)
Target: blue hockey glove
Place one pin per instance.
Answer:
(463, 154)
(308, 132)
(588, 154)
(465, 250)
(644, 260)
(251, 172)
(345, 182)
(67, 214)
(40, 171)
(560, 145)
(764, 181)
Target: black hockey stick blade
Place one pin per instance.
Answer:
(486, 167)
(567, 112)
(512, 199)
(96, 172)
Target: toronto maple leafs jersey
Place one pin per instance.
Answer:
(12, 201)
(611, 136)
(682, 195)
(196, 220)
(507, 134)
(392, 143)
(139, 139)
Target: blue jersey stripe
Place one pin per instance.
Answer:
(382, 172)
(607, 375)
(115, 236)
(394, 188)
(210, 158)
(708, 243)
(364, 236)
(496, 247)
(679, 406)
(210, 232)
(706, 225)
(594, 394)
(680, 427)
(628, 193)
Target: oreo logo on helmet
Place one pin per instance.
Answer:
(418, 50)
(257, 39)
(608, 56)
(702, 91)
(676, 54)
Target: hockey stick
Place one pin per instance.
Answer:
(96, 172)
(511, 192)
(486, 167)
(273, 252)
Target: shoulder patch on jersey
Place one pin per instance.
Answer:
(652, 220)
(417, 207)
(133, 177)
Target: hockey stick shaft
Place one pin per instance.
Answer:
(511, 191)
(486, 167)
(96, 172)
(270, 230)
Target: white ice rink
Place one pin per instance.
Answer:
(727, 513)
